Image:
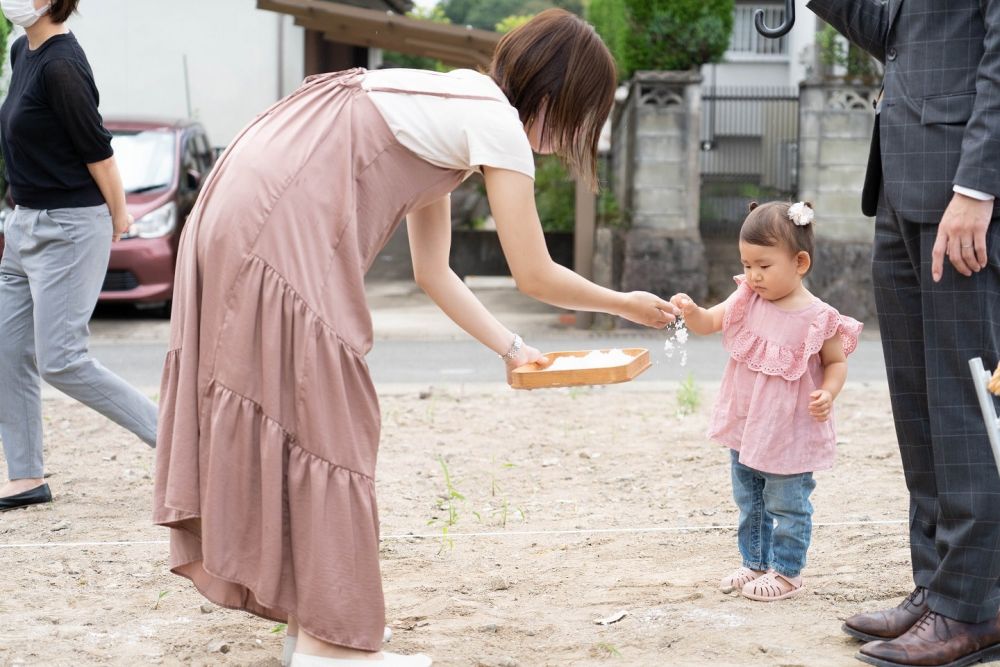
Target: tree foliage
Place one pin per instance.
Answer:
(555, 194)
(397, 59)
(511, 23)
(487, 14)
(663, 34)
(835, 51)
(610, 19)
(5, 29)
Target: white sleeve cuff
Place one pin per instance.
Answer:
(975, 194)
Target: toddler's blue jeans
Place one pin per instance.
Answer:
(775, 518)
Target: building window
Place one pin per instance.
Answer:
(746, 41)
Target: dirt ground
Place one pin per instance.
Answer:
(566, 507)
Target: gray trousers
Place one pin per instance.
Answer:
(51, 274)
(929, 332)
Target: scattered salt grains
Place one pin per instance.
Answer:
(677, 342)
(593, 359)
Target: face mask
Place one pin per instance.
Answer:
(23, 12)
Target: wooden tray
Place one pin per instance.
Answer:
(529, 377)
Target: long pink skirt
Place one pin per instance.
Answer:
(269, 423)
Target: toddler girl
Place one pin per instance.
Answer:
(788, 361)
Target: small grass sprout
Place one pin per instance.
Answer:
(688, 396)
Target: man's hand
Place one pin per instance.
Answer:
(962, 236)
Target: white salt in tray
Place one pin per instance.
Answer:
(583, 367)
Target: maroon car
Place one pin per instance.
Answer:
(163, 165)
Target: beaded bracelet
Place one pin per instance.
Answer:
(515, 347)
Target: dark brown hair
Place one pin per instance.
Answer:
(557, 63)
(61, 10)
(769, 225)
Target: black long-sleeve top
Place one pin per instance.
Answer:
(50, 128)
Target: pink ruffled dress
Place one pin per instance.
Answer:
(763, 407)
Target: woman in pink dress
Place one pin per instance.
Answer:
(269, 420)
(788, 362)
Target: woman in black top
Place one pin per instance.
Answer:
(70, 208)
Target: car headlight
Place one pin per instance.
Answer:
(158, 223)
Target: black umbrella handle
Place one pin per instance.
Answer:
(781, 30)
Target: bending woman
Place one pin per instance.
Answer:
(270, 423)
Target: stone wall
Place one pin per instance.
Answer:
(836, 121)
(609, 245)
(835, 130)
(655, 175)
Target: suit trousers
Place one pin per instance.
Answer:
(51, 274)
(929, 333)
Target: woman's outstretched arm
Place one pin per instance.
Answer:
(429, 229)
(512, 202)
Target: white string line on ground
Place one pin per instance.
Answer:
(504, 533)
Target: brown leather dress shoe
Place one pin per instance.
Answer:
(888, 623)
(937, 641)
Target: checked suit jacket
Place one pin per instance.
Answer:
(939, 120)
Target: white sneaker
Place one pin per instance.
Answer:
(288, 648)
(388, 660)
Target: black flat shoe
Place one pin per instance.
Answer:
(35, 496)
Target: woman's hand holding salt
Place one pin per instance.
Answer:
(648, 310)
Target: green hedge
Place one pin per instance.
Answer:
(486, 14)
(663, 34)
(834, 50)
(555, 195)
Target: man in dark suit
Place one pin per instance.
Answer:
(933, 176)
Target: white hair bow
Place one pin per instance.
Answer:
(801, 214)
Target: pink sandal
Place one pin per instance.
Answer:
(771, 587)
(738, 579)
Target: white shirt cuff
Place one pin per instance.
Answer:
(975, 194)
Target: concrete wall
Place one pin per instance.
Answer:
(835, 129)
(657, 176)
(240, 59)
(836, 122)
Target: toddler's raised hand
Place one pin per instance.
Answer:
(684, 303)
(821, 404)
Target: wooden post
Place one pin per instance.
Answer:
(325, 55)
(583, 242)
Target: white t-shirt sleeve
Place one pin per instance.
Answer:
(498, 140)
(459, 120)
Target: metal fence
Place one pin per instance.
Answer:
(749, 142)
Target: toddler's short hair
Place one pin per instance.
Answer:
(771, 225)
